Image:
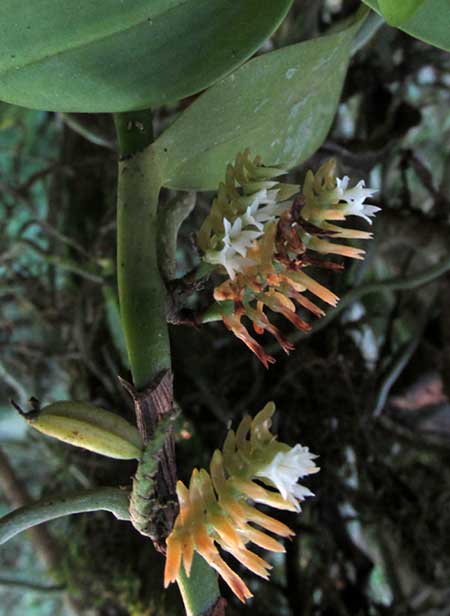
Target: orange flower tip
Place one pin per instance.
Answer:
(188, 557)
(331, 299)
(236, 584)
(352, 253)
(278, 549)
(286, 346)
(264, 541)
(243, 594)
(268, 523)
(170, 575)
(282, 530)
(309, 305)
(258, 568)
(265, 358)
(306, 327)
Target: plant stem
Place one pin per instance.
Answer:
(134, 131)
(141, 290)
(200, 591)
(101, 499)
(142, 295)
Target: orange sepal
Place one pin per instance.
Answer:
(233, 324)
(173, 560)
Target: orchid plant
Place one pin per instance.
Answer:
(252, 123)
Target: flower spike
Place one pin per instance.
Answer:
(215, 509)
(262, 238)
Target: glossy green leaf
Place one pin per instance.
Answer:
(280, 105)
(119, 55)
(429, 23)
(395, 12)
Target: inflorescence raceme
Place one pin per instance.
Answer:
(262, 237)
(218, 507)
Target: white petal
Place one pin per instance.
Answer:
(301, 492)
(226, 226)
(342, 184)
(236, 228)
(286, 468)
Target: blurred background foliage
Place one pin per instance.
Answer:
(369, 392)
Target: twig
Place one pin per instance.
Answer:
(48, 228)
(63, 262)
(420, 440)
(31, 586)
(396, 368)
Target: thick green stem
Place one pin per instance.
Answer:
(200, 591)
(102, 499)
(141, 290)
(142, 296)
(134, 131)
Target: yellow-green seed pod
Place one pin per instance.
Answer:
(85, 425)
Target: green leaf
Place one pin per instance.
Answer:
(396, 12)
(280, 105)
(120, 55)
(430, 22)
